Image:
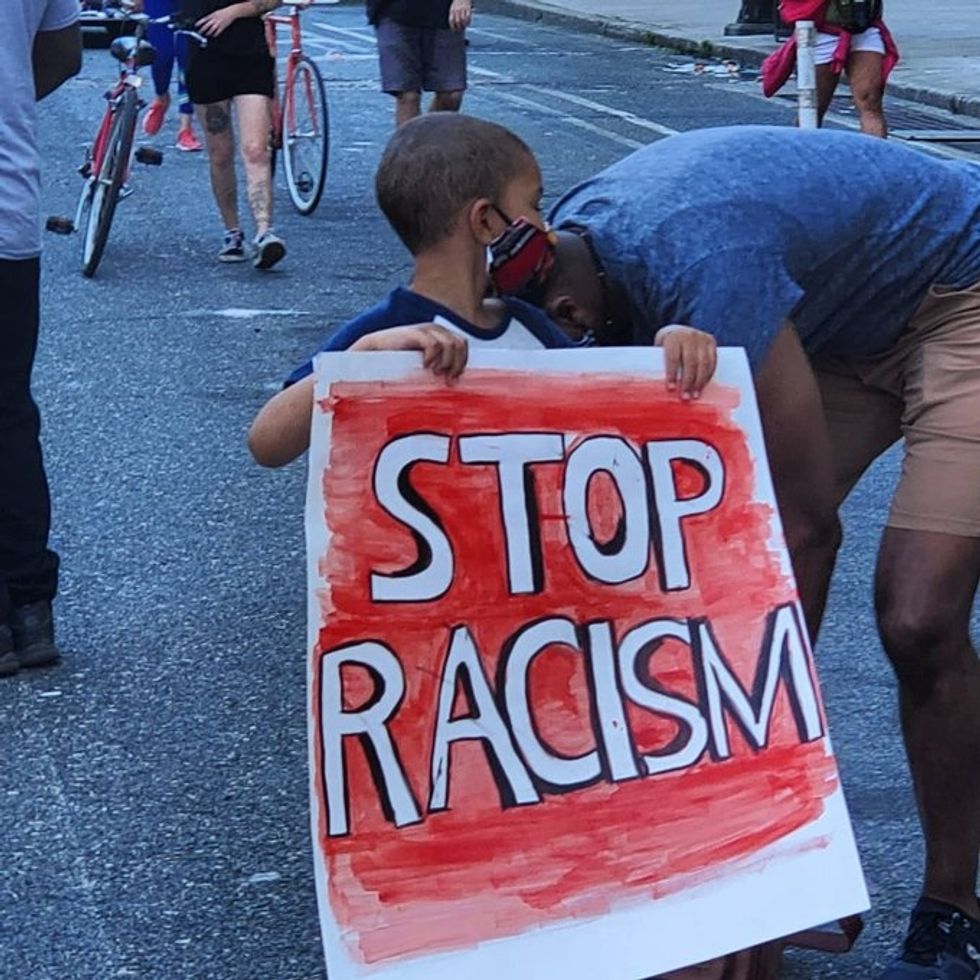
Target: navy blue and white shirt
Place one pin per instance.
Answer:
(522, 327)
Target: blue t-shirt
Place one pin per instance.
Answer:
(737, 229)
(522, 327)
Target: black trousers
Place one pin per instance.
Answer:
(28, 568)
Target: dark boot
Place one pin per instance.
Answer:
(33, 630)
(9, 664)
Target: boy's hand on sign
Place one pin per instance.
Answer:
(443, 352)
(690, 356)
(460, 14)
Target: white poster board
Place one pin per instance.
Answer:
(564, 719)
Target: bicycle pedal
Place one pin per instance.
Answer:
(59, 225)
(86, 169)
(149, 155)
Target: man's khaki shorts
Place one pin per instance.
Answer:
(927, 389)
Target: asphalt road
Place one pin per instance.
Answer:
(153, 785)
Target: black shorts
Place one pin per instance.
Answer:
(413, 59)
(214, 76)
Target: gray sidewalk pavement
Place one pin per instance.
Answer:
(939, 41)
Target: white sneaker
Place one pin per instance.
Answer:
(269, 249)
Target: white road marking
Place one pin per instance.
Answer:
(632, 118)
(517, 100)
(239, 313)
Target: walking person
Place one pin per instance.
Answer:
(42, 49)
(851, 39)
(236, 70)
(422, 47)
(169, 48)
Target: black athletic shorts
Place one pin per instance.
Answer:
(214, 76)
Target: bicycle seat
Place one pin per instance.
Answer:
(125, 47)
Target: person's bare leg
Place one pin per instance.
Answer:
(254, 117)
(220, 140)
(867, 88)
(826, 86)
(407, 106)
(446, 102)
(800, 458)
(924, 592)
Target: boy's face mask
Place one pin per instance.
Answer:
(521, 256)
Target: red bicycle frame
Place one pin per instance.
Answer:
(295, 51)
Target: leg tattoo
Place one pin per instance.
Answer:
(216, 119)
(260, 200)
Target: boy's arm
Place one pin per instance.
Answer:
(281, 430)
(690, 356)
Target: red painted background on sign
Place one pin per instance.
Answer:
(477, 872)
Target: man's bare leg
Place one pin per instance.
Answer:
(254, 116)
(924, 592)
(407, 106)
(446, 102)
(215, 120)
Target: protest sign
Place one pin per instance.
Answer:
(564, 718)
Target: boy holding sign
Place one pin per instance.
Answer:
(447, 185)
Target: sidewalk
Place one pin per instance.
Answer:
(939, 42)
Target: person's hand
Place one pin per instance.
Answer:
(443, 352)
(218, 21)
(690, 356)
(460, 14)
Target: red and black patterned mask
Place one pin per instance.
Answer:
(521, 256)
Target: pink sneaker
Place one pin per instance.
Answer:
(153, 119)
(188, 142)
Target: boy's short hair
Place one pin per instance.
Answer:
(435, 165)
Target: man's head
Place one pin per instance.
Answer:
(572, 294)
(444, 170)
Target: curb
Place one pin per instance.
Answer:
(630, 30)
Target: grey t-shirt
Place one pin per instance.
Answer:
(735, 230)
(20, 182)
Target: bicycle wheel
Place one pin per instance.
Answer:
(108, 181)
(306, 136)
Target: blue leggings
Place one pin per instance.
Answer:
(167, 46)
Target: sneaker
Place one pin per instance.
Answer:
(943, 943)
(233, 249)
(153, 119)
(33, 630)
(9, 664)
(188, 142)
(269, 249)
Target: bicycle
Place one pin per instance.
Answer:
(108, 157)
(301, 119)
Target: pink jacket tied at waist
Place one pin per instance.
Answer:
(779, 66)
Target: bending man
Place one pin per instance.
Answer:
(861, 316)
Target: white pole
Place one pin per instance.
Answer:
(806, 73)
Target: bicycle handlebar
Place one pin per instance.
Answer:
(178, 24)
